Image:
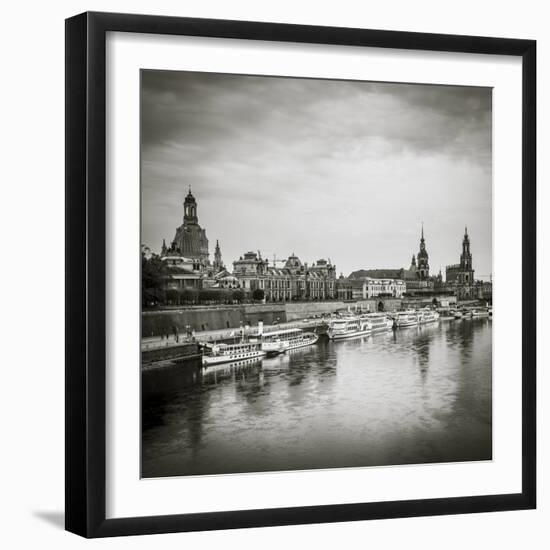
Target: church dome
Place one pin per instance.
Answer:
(293, 261)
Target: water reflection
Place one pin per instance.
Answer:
(421, 394)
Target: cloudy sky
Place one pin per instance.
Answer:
(323, 168)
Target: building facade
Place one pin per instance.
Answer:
(384, 287)
(344, 288)
(181, 272)
(370, 287)
(293, 282)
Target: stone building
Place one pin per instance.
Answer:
(190, 239)
(371, 287)
(182, 272)
(383, 287)
(344, 288)
(294, 281)
(187, 257)
(417, 278)
(460, 277)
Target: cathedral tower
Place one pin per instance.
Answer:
(466, 271)
(423, 269)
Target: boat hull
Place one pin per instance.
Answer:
(405, 324)
(344, 335)
(383, 327)
(274, 348)
(208, 360)
(431, 320)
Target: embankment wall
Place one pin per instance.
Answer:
(155, 323)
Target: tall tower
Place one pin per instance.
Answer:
(218, 263)
(190, 239)
(190, 209)
(467, 273)
(422, 256)
(413, 263)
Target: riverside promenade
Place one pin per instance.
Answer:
(229, 334)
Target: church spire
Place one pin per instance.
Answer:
(218, 263)
(466, 254)
(466, 273)
(423, 269)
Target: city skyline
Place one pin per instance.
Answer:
(277, 260)
(274, 166)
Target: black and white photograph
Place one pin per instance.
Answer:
(316, 273)
(263, 247)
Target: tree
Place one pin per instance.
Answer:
(189, 295)
(225, 295)
(258, 294)
(153, 273)
(173, 295)
(238, 296)
(208, 295)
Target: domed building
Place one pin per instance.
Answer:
(190, 239)
(188, 256)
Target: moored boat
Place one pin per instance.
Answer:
(348, 327)
(446, 314)
(428, 316)
(406, 319)
(479, 313)
(280, 341)
(227, 353)
(379, 322)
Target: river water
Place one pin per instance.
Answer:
(414, 395)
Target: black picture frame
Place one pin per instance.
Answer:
(86, 285)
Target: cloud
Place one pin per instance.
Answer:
(288, 154)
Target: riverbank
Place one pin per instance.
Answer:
(169, 353)
(225, 317)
